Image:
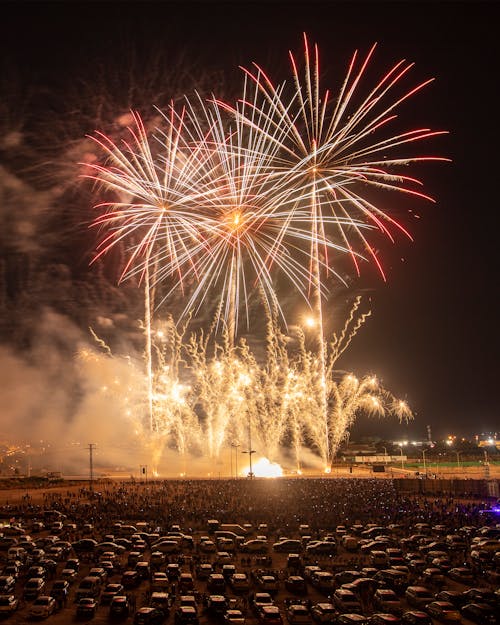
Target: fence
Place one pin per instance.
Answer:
(455, 487)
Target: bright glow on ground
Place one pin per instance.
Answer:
(264, 468)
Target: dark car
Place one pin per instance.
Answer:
(296, 584)
(461, 574)
(480, 613)
(60, 589)
(8, 604)
(130, 579)
(33, 587)
(119, 607)
(260, 599)
(383, 618)
(416, 617)
(216, 583)
(85, 545)
(186, 615)
(110, 591)
(216, 605)
(149, 616)
(443, 611)
(350, 619)
(86, 607)
(323, 613)
(346, 577)
(322, 547)
(453, 596)
(417, 596)
(269, 615)
(7, 584)
(479, 595)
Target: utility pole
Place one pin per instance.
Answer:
(91, 467)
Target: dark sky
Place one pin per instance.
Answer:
(433, 333)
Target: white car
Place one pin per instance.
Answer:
(42, 607)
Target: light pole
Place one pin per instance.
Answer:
(458, 460)
(250, 452)
(486, 465)
(385, 455)
(424, 451)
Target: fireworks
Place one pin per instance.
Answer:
(333, 150)
(221, 199)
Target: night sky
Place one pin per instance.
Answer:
(433, 333)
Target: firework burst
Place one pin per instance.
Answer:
(250, 230)
(332, 150)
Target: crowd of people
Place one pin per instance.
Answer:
(282, 504)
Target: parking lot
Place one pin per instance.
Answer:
(346, 552)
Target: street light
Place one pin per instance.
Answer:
(401, 450)
(250, 452)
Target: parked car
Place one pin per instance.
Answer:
(7, 584)
(416, 617)
(42, 607)
(323, 581)
(69, 575)
(269, 615)
(350, 619)
(384, 618)
(461, 574)
(267, 583)
(160, 581)
(297, 613)
(110, 591)
(149, 616)
(234, 617)
(443, 611)
(216, 583)
(130, 579)
(186, 615)
(386, 600)
(254, 545)
(452, 596)
(216, 605)
(119, 606)
(60, 589)
(33, 588)
(8, 604)
(86, 607)
(239, 582)
(418, 596)
(479, 595)
(323, 547)
(346, 601)
(296, 584)
(480, 613)
(288, 545)
(260, 599)
(323, 612)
